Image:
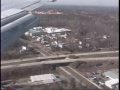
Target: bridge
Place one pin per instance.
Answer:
(14, 66)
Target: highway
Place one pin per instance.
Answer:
(60, 57)
(16, 67)
(63, 61)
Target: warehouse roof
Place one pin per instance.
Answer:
(110, 83)
(112, 74)
(45, 78)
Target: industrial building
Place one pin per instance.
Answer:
(51, 37)
(113, 79)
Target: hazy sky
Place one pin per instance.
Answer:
(7, 4)
(89, 2)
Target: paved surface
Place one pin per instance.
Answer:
(60, 57)
(6, 67)
(78, 77)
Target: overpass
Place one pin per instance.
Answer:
(59, 57)
(13, 67)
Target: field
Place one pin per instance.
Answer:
(96, 27)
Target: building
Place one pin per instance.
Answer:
(45, 78)
(52, 30)
(113, 79)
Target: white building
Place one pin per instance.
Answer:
(51, 30)
(44, 79)
(23, 48)
(113, 78)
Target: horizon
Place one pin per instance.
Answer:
(5, 4)
(109, 3)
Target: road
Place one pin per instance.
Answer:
(14, 67)
(60, 58)
(70, 72)
(54, 62)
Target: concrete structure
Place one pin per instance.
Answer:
(88, 54)
(9, 68)
(48, 30)
(113, 78)
(51, 30)
(45, 78)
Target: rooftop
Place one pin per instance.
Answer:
(112, 74)
(42, 77)
(55, 30)
(109, 83)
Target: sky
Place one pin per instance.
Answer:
(89, 2)
(6, 4)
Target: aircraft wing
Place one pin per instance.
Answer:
(12, 27)
(15, 22)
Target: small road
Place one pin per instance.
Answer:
(72, 73)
